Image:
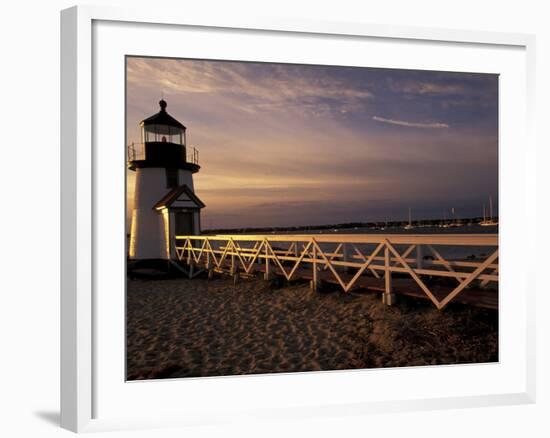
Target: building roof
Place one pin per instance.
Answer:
(182, 197)
(162, 118)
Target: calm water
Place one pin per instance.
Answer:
(463, 229)
(447, 251)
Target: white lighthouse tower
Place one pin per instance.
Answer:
(165, 204)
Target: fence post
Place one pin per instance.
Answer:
(267, 273)
(233, 265)
(315, 280)
(209, 265)
(419, 256)
(388, 297)
(190, 259)
(346, 256)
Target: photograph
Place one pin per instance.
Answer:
(285, 218)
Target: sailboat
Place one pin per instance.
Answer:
(444, 224)
(409, 225)
(488, 222)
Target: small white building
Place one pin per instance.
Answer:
(165, 204)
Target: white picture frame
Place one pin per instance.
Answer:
(82, 185)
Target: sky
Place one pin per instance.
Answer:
(290, 145)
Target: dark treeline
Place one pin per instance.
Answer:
(348, 225)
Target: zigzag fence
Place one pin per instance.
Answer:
(351, 260)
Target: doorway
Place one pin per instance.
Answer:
(183, 223)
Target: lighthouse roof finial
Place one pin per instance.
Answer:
(162, 118)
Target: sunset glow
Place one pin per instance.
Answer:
(284, 145)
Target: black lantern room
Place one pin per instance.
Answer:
(163, 144)
(162, 127)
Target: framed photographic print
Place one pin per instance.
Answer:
(253, 210)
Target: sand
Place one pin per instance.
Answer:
(191, 328)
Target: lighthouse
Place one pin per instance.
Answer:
(165, 203)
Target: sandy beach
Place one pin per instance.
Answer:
(192, 328)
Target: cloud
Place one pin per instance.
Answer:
(431, 125)
(257, 87)
(427, 88)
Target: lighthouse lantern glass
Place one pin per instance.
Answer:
(163, 134)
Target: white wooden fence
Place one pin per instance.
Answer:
(346, 257)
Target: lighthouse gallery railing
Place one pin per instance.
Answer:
(136, 152)
(377, 255)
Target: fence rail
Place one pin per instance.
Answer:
(348, 259)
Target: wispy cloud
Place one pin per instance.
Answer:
(427, 88)
(258, 87)
(430, 125)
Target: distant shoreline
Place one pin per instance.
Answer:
(351, 225)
